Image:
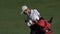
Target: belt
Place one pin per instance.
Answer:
(41, 18)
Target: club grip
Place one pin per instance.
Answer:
(51, 19)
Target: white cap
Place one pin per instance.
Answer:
(23, 8)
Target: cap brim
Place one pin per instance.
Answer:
(22, 12)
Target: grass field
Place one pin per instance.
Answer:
(10, 23)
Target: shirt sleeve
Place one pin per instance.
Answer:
(36, 12)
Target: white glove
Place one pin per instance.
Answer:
(29, 23)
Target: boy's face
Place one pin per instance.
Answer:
(26, 11)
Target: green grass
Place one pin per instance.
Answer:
(10, 23)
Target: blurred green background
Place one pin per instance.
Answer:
(10, 23)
